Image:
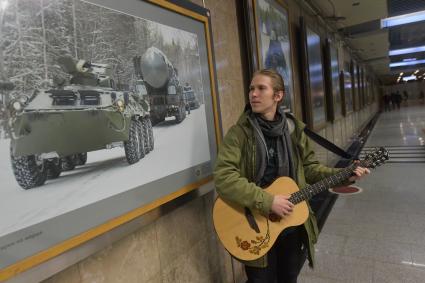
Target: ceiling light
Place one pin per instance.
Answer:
(410, 63)
(409, 78)
(409, 59)
(415, 72)
(401, 74)
(403, 19)
(407, 50)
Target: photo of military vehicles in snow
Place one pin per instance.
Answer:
(54, 129)
(84, 78)
(102, 108)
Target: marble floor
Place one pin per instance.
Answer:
(379, 234)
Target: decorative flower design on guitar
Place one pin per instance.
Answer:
(253, 246)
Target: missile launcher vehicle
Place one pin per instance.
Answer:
(157, 74)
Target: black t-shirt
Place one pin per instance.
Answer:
(271, 171)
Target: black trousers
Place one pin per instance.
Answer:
(284, 260)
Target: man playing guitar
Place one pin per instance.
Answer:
(264, 145)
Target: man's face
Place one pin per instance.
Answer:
(263, 98)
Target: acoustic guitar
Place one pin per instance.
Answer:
(248, 235)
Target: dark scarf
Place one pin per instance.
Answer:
(279, 129)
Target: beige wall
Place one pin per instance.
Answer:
(181, 246)
(227, 58)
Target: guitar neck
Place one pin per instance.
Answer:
(332, 181)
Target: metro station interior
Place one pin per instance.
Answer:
(177, 76)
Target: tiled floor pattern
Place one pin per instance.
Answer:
(379, 235)
(402, 154)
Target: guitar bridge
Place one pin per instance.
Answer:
(273, 217)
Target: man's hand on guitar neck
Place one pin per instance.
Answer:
(359, 173)
(282, 206)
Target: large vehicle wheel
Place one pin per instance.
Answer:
(181, 115)
(131, 146)
(54, 168)
(68, 163)
(146, 135)
(150, 134)
(142, 137)
(156, 119)
(30, 171)
(81, 158)
(184, 111)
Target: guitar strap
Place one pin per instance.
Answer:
(327, 144)
(324, 142)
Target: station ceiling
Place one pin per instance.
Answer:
(360, 23)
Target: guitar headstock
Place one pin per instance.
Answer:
(375, 158)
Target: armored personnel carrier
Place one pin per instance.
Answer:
(53, 130)
(160, 78)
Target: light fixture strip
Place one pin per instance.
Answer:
(407, 50)
(403, 19)
(409, 63)
(409, 78)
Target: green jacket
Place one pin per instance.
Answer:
(235, 171)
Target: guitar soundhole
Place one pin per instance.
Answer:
(274, 217)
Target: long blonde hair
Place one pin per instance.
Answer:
(277, 81)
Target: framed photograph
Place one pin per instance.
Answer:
(333, 93)
(367, 90)
(362, 91)
(313, 89)
(270, 42)
(346, 87)
(355, 78)
(373, 90)
(111, 112)
(359, 86)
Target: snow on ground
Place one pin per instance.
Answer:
(107, 173)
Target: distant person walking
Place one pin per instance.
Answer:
(397, 100)
(405, 97)
(422, 97)
(392, 100)
(387, 100)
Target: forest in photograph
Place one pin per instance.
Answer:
(34, 34)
